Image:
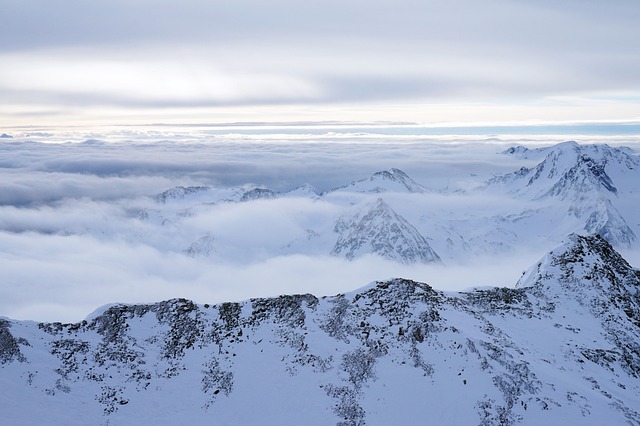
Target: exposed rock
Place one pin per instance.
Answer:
(562, 345)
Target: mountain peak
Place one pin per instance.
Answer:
(178, 192)
(259, 194)
(400, 177)
(378, 229)
(583, 259)
(202, 247)
(578, 176)
(391, 180)
(304, 190)
(585, 176)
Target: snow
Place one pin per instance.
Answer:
(558, 346)
(390, 352)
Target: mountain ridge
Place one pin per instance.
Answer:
(547, 351)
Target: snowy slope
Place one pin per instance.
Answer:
(376, 228)
(573, 181)
(560, 348)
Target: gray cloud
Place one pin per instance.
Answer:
(284, 52)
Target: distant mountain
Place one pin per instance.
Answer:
(305, 190)
(561, 348)
(617, 156)
(577, 176)
(178, 193)
(378, 229)
(567, 170)
(392, 180)
(259, 194)
(202, 247)
(564, 188)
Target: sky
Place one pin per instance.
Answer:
(71, 63)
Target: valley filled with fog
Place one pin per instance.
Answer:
(219, 218)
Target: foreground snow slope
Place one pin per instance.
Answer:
(560, 348)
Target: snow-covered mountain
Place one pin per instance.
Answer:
(392, 180)
(179, 192)
(568, 170)
(376, 228)
(560, 348)
(560, 189)
(540, 196)
(202, 247)
(576, 177)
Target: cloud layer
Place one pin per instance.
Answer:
(72, 234)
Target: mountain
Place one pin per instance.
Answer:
(620, 156)
(202, 247)
(567, 170)
(304, 190)
(392, 180)
(560, 348)
(259, 194)
(378, 229)
(178, 193)
(576, 176)
(551, 192)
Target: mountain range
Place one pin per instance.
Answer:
(566, 188)
(561, 347)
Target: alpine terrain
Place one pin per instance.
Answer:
(562, 347)
(560, 189)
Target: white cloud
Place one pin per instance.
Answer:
(56, 278)
(71, 240)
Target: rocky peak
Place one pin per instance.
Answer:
(178, 193)
(202, 247)
(585, 176)
(304, 190)
(586, 274)
(378, 229)
(584, 264)
(259, 194)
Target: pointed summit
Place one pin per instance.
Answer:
(585, 277)
(584, 265)
(378, 229)
(584, 176)
(259, 194)
(203, 247)
(304, 190)
(392, 180)
(178, 193)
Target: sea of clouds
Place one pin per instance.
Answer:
(71, 239)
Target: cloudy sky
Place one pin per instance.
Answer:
(142, 61)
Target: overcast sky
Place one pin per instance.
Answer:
(143, 61)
